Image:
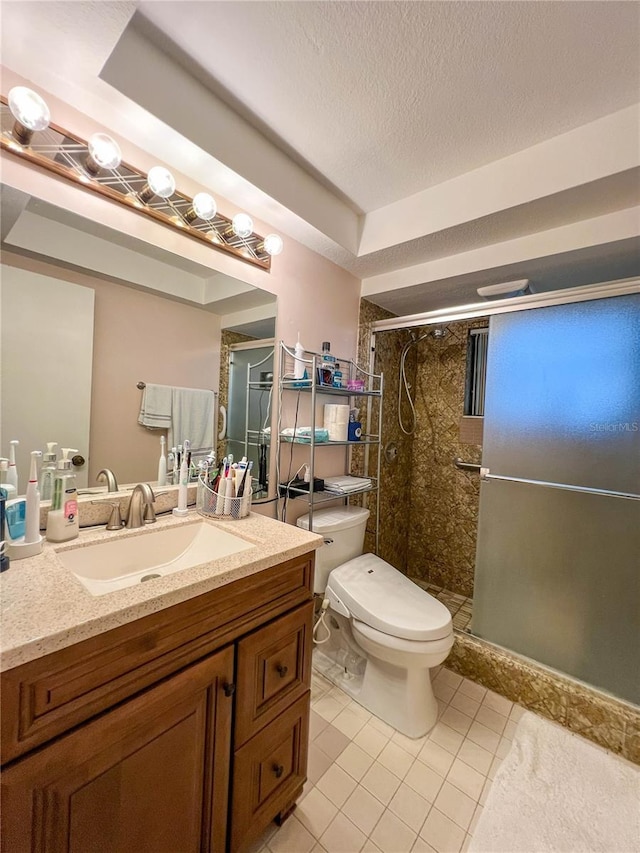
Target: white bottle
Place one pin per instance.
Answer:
(48, 472)
(32, 520)
(299, 370)
(62, 521)
(162, 462)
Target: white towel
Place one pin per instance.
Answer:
(155, 407)
(192, 412)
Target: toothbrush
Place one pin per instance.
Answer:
(12, 473)
(162, 462)
(181, 509)
(32, 528)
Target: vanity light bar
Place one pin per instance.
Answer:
(96, 164)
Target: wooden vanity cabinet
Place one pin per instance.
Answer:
(202, 759)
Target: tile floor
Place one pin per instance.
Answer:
(373, 790)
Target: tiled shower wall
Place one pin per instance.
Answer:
(428, 508)
(226, 339)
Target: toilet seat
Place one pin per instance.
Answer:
(398, 644)
(376, 594)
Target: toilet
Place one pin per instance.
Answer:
(385, 632)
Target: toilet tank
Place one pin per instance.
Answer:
(345, 526)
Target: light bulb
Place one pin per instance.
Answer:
(273, 244)
(30, 112)
(242, 225)
(104, 153)
(203, 206)
(160, 182)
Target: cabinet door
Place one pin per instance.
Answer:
(150, 776)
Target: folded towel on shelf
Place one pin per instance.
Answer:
(155, 407)
(192, 413)
(302, 435)
(346, 483)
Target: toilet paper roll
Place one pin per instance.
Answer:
(338, 432)
(335, 414)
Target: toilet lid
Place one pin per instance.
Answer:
(382, 597)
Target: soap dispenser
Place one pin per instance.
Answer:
(62, 520)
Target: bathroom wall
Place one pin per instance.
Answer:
(443, 516)
(428, 509)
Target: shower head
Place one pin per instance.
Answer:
(438, 333)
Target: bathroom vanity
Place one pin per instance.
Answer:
(181, 729)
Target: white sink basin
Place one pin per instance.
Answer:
(119, 563)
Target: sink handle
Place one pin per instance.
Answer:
(115, 519)
(149, 515)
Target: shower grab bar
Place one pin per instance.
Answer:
(485, 474)
(461, 465)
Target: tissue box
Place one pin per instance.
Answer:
(355, 431)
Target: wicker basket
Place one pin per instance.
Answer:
(215, 505)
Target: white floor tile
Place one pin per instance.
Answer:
(491, 719)
(355, 761)
(359, 711)
(437, 757)
(316, 812)
(468, 780)
(485, 793)
(475, 756)
(465, 844)
(291, 837)
(410, 807)
(484, 737)
(424, 781)
(318, 763)
(380, 782)
(342, 836)
(332, 741)
(497, 703)
(456, 720)
(516, 712)
(442, 833)
(443, 691)
(409, 744)
(510, 729)
(327, 707)
(503, 748)
(348, 722)
(421, 846)
(370, 847)
(446, 737)
(339, 696)
(467, 704)
(317, 724)
(396, 759)
(455, 805)
(474, 820)
(318, 848)
(494, 768)
(336, 785)
(381, 726)
(392, 835)
(471, 688)
(363, 809)
(371, 740)
(448, 677)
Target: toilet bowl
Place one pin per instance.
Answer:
(400, 630)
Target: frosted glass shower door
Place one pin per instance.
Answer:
(558, 557)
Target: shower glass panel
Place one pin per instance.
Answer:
(557, 571)
(249, 415)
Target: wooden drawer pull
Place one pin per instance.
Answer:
(278, 770)
(229, 689)
(282, 670)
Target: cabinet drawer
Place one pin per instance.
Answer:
(269, 772)
(274, 669)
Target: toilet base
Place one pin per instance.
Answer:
(402, 698)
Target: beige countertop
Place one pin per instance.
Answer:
(45, 608)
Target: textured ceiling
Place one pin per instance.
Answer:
(384, 99)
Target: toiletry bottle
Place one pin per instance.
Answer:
(299, 369)
(62, 521)
(12, 473)
(162, 462)
(48, 472)
(328, 365)
(8, 487)
(337, 377)
(32, 527)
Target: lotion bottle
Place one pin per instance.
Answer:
(62, 521)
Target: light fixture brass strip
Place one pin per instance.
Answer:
(245, 249)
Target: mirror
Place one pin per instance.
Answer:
(87, 313)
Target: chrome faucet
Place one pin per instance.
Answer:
(110, 477)
(140, 510)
